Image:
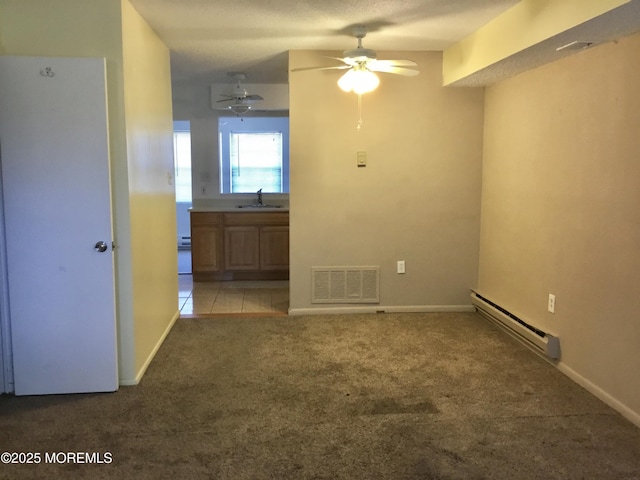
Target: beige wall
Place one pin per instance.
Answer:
(77, 28)
(560, 211)
(416, 200)
(149, 130)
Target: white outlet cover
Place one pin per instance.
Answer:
(551, 306)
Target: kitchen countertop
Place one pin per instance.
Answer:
(237, 209)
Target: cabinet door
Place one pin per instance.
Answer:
(274, 248)
(206, 248)
(241, 248)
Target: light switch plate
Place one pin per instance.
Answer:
(362, 159)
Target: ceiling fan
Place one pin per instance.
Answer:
(361, 63)
(241, 100)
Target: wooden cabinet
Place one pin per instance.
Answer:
(206, 243)
(241, 248)
(240, 245)
(274, 248)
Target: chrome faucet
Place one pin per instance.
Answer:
(259, 193)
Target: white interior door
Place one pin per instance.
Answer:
(54, 153)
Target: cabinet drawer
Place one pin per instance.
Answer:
(256, 218)
(206, 218)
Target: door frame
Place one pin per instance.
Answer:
(6, 354)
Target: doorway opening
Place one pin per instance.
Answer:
(182, 164)
(230, 297)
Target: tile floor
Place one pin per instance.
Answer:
(238, 298)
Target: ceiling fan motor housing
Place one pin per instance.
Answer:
(357, 55)
(239, 92)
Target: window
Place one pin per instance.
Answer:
(256, 162)
(254, 154)
(182, 161)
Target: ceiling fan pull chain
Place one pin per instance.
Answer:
(359, 126)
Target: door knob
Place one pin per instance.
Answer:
(100, 247)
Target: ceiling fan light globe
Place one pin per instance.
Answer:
(239, 109)
(359, 81)
(366, 82)
(345, 82)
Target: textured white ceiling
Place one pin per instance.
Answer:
(209, 38)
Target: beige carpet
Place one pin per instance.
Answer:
(389, 396)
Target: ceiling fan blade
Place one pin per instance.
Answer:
(407, 72)
(248, 98)
(340, 59)
(302, 69)
(395, 63)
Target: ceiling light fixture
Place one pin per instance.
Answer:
(239, 108)
(359, 79)
(361, 63)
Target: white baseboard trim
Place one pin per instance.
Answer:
(125, 382)
(324, 310)
(628, 413)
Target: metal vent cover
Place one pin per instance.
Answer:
(345, 284)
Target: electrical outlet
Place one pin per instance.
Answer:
(401, 266)
(551, 306)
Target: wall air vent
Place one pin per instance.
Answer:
(345, 285)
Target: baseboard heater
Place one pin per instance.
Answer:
(184, 243)
(539, 340)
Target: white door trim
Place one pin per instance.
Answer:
(6, 364)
